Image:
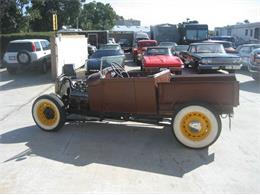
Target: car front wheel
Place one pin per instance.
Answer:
(196, 126)
(48, 112)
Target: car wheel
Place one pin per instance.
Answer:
(11, 70)
(48, 112)
(23, 57)
(196, 126)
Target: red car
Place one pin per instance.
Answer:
(156, 58)
(141, 47)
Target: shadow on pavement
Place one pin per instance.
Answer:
(23, 79)
(250, 86)
(143, 147)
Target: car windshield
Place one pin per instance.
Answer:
(157, 51)
(103, 53)
(108, 60)
(16, 47)
(181, 47)
(210, 48)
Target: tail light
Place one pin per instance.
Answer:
(33, 47)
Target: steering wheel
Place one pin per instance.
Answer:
(119, 70)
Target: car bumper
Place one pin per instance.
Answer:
(217, 67)
(17, 65)
(157, 69)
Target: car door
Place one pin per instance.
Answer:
(119, 95)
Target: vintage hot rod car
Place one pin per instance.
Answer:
(194, 103)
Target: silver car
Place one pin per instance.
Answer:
(254, 64)
(244, 52)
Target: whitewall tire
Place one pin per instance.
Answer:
(196, 126)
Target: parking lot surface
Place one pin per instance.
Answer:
(118, 157)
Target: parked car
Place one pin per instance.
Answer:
(210, 56)
(91, 49)
(141, 47)
(21, 54)
(158, 58)
(94, 61)
(111, 46)
(193, 103)
(125, 45)
(244, 52)
(254, 64)
(228, 46)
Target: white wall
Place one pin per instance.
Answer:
(71, 49)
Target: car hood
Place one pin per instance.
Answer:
(215, 55)
(162, 60)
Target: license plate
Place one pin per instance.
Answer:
(12, 57)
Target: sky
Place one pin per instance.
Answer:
(215, 13)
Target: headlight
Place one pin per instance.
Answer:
(206, 61)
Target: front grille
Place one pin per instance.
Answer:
(223, 60)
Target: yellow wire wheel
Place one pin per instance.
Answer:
(48, 112)
(196, 126)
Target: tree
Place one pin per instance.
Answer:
(41, 11)
(98, 16)
(11, 15)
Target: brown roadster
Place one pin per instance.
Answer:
(194, 103)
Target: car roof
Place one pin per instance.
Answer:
(26, 40)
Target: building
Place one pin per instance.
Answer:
(244, 32)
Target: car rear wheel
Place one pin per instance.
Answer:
(48, 112)
(11, 70)
(196, 126)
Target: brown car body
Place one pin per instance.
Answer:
(156, 95)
